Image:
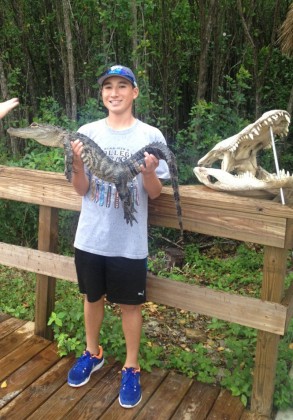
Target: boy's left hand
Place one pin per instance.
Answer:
(151, 164)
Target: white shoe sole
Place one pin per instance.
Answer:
(129, 406)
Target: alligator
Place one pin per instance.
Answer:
(101, 165)
(239, 169)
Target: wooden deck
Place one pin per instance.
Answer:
(33, 386)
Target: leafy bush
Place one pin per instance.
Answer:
(19, 223)
(17, 293)
(210, 123)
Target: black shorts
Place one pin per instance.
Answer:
(122, 280)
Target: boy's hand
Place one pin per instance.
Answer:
(77, 147)
(151, 164)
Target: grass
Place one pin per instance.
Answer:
(203, 348)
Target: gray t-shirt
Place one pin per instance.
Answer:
(102, 228)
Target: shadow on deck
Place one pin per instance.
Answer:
(33, 385)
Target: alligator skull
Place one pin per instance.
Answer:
(239, 170)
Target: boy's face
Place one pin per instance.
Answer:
(118, 94)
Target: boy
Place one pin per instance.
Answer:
(111, 255)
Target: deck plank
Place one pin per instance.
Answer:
(66, 398)
(226, 407)
(35, 386)
(38, 392)
(28, 373)
(198, 402)
(149, 383)
(4, 316)
(9, 325)
(16, 338)
(98, 399)
(168, 396)
(14, 360)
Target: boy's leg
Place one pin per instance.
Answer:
(126, 284)
(132, 326)
(92, 359)
(93, 318)
(130, 389)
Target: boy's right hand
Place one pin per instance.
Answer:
(77, 146)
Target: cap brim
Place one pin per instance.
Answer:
(102, 79)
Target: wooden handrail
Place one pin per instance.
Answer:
(204, 211)
(251, 312)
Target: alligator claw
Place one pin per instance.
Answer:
(128, 214)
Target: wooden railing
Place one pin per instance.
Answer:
(204, 211)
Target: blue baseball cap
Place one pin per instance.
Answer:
(120, 71)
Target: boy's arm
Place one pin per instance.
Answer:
(80, 180)
(151, 182)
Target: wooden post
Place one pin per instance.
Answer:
(267, 343)
(45, 287)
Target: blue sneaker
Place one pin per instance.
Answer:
(130, 389)
(85, 365)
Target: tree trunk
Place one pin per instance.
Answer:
(286, 33)
(70, 59)
(12, 142)
(257, 73)
(134, 34)
(48, 6)
(4, 91)
(290, 103)
(3, 82)
(207, 22)
(31, 75)
(63, 58)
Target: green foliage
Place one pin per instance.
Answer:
(210, 123)
(19, 223)
(167, 57)
(196, 364)
(238, 345)
(68, 329)
(17, 296)
(91, 111)
(51, 112)
(283, 395)
(275, 89)
(238, 355)
(241, 272)
(67, 224)
(41, 158)
(233, 367)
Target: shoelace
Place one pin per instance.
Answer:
(129, 378)
(82, 361)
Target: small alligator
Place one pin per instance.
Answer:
(102, 165)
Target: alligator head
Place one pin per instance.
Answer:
(239, 169)
(45, 134)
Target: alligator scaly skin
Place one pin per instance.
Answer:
(101, 165)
